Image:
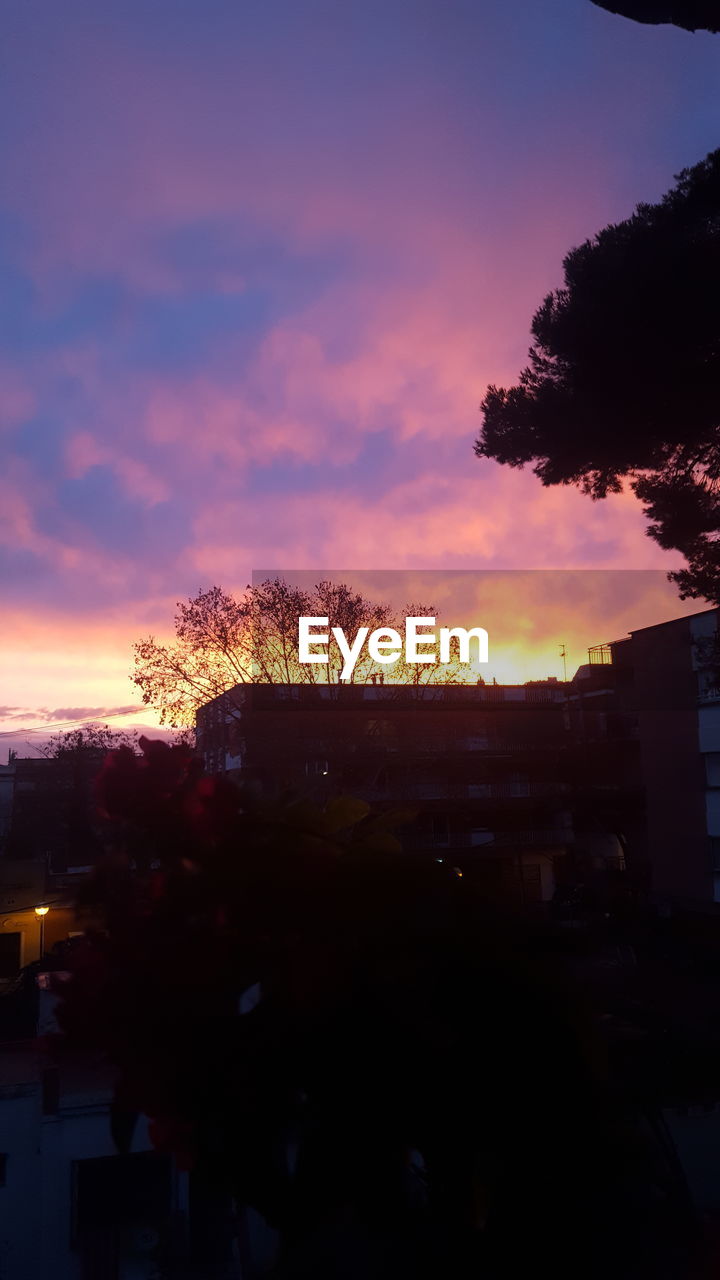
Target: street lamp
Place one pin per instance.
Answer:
(41, 913)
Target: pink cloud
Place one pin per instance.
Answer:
(17, 400)
(84, 451)
(490, 520)
(136, 144)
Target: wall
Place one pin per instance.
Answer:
(36, 1202)
(672, 765)
(59, 922)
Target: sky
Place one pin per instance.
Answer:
(259, 261)
(530, 615)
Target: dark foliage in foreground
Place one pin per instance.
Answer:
(396, 1016)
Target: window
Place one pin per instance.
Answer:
(539, 693)
(50, 1089)
(715, 852)
(712, 768)
(440, 832)
(316, 768)
(481, 835)
(3, 1168)
(494, 693)
(531, 882)
(518, 786)
(112, 1193)
(385, 730)
(10, 952)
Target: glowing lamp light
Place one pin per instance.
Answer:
(41, 913)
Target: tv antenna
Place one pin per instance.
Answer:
(563, 655)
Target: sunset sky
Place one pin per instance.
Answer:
(260, 260)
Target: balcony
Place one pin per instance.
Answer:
(536, 836)
(483, 790)
(517, 790)
(502, 842)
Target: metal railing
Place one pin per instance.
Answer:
(483, 790)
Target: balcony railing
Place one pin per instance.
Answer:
(482, 790)
(432, 747)
(536, 836)
(502, 841)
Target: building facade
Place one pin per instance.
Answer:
(482, 766)
(677, 699)
(645, 716)
(619, 767)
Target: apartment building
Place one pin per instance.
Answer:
(645, 715)
(483, 766)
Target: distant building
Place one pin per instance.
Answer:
(7, 784)
(50, 840)
(52, 810)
